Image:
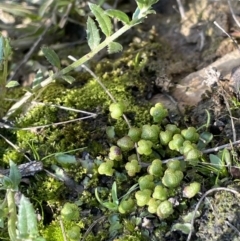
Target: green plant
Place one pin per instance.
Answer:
(70, 212)
(165, 209)
(22, 221)
(156, 168)
(5, 53)
(192, 189)
(103, 19)
(114, 205)
(106, 168)
(132, 167)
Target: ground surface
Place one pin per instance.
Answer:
(183, 79)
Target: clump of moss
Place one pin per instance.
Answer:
(47, 189)
(213, 225)
(54, 232)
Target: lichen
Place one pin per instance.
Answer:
(224, 209)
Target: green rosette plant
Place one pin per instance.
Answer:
(165, 137)
(174, 165)
(173, 128)
(144, 147)
(187, 146)
(143, 197)
(153, 205)
(192, 189)
(132, 167)
(165, 209)
(135, 134)
(116, 110)
(74, 233)
(106, 168)
(171, 178)
(150, 133)
(156, 168)
(192, 156)
(126, 206)
(190, 134)
(146, 182)
(125, 143)
(158, 112)
(176, 142)
(115, 153)
(70, 212)
(160, 193)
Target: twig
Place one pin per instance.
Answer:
(181, 9)
(234, 41)
(233, 227)
(91, 226)
(14, 147)
(65, 16)
(233, 14)
(210, 150)
(26, 169)
(231, 117)
(63, 230)
(200, 201)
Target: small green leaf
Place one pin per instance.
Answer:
(145, 4)
(102, 19)
(68, 78)
(114, 193)
(118, 15)
(97, 197)
(1, 48)
(7, 50)
(114, 47)
(6, 182)
(65, 158)
(27, 220)
(12, 83)
(38, 79)
(135, 16)
(216, 161)
(132, 188)
(227, 158)
(111, 206)
(204, 139)
(93, 37)
(44, 6)
(189, 216)
(51, 56)
(183, 227)
(14, 175)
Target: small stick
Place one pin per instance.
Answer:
(234, 41)
(181, 9)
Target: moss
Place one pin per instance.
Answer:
(124, 80)
(53, 232)
(47, 189)
(213, 225)
(13, 155)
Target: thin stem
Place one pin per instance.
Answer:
(69, 68)
(12, 215)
